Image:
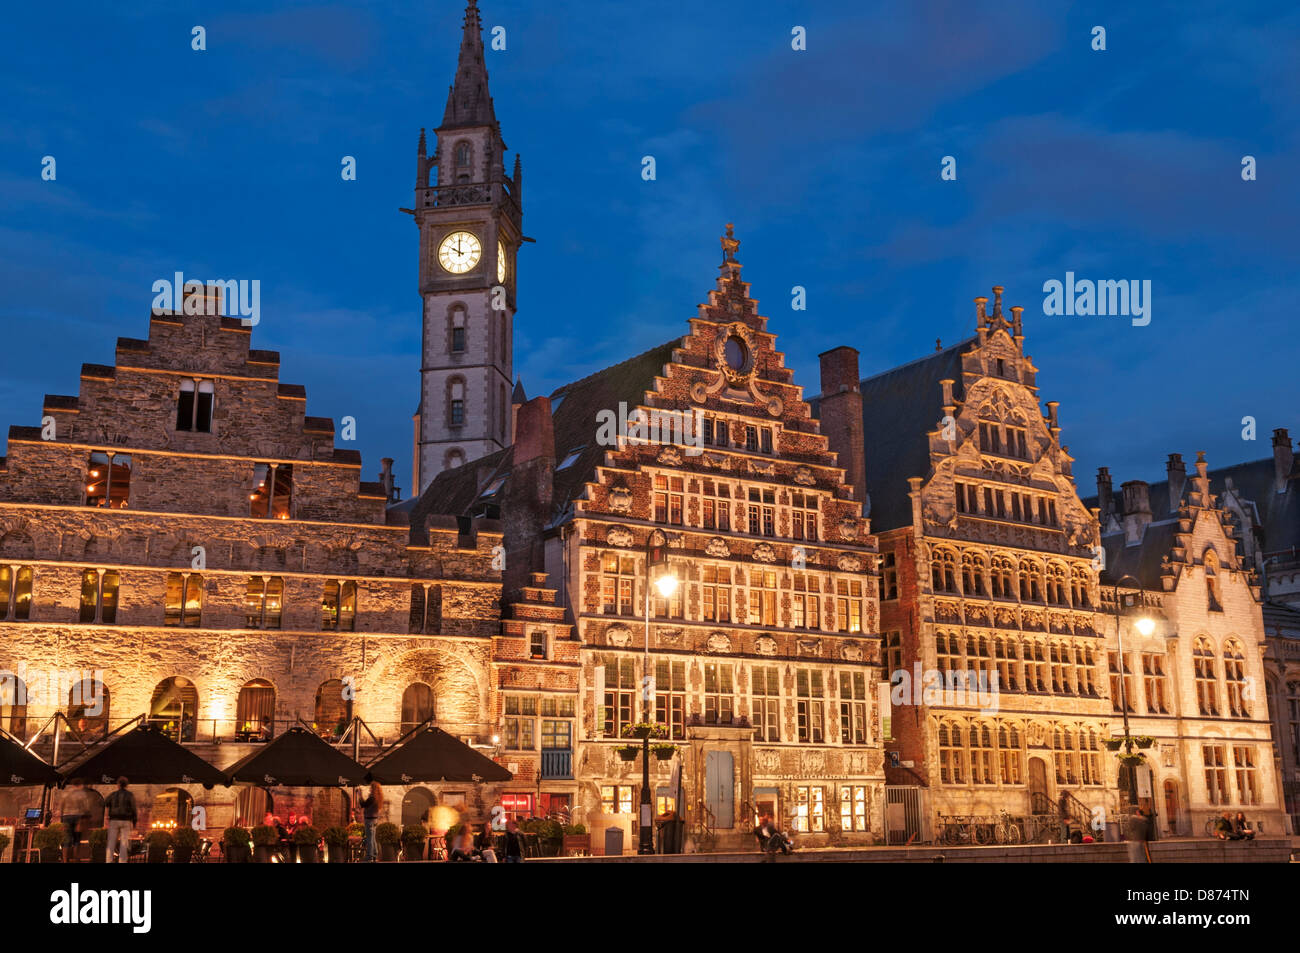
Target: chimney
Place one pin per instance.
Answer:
(1137, 510)
(841, 417)
(386, 477)
(1283, 459)
(526, 507)
(1177, 474)
(1105, 503)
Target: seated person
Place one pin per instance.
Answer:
(264, 733)
(1241, 827)
(462, 847)
(1224, 829)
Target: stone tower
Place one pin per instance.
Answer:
(468, 213)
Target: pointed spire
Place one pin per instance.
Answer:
(519, 397)
(468, 102)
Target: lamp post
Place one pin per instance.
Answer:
(1145, 625)
(656, 554)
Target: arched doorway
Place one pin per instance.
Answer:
(329, 808)
(333, 709)
(417, 805)
(88, 709)
(174, 708)
(1039, 802)
(1173, 816)
(417, 705)
(173, 806)
(252, 805)
(96, 816)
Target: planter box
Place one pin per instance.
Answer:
(577, 845)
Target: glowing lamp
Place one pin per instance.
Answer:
(1145, 625)
(666, 585)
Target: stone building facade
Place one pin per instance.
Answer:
(763, 665)
(180, 540)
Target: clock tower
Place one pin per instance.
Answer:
(469, 215)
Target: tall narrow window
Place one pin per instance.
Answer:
(952, 754)
(1234, 679)
(1207, 679)
(620, 689)
(715, 512)
(1212, 583)
(194, 406)
(108, 480)
(848, 605)
(457, 330)
(762, 597)
(765, 694)
(537, 644)
(716, 594)
(263, 598)
(668, 499)
(618, 574)
(670, 696)
(272, 494)
(417, 705)
(339, 606)
(183, 600)
(1120, 701)
(805, 602)
(1216, 774)
(1153, 680)
(888, 576)
(719, 693)
(803, 516)
(1243, 763)
(99, 596)
(810, 706)
(456, 403)
(15, 593)
(853, 708)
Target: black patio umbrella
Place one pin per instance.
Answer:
(297, 758)
(19, 767)
(430, 754)
(144, 755)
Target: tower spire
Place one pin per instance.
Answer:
(468, 102)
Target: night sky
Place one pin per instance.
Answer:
(1122, 164)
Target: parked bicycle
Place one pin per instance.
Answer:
(1006, 830)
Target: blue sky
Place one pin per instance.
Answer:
(1116, 164)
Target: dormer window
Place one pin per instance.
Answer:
(194, 406)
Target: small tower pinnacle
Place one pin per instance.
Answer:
(468, 102)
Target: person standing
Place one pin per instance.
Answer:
(370, 808)
(1137, 832)
(76, 811)
(122, 818)
(514, 843)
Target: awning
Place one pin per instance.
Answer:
(297, 758)
(431, 755)
(19, 767)
(143, 755)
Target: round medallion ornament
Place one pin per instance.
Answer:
(734, 353)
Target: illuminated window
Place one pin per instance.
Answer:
(521, 712)
(853, 807)
(1155, 683)
(668, 499)
(716, 593)
(99, 596)
(517, 807)
(108, 480)
(762, 597)
(805, 602)
(1234, 679)
(715, 510)
(174, 708)
(803, 516)
(620, 691)
(88, 709)
(339, 606)
(194, 406)
(618, 575)
(333, 709)
(809, 809)
(1216, 774)
(272, 491)
(762, 512)
(981, 754)
(1009, 754)
(183, 600)
(255, 709)
(1207, 681)
(616, 798)
(263, 601)
(15, 593)
(952, 755)
(848, 605)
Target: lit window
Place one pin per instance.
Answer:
(263, 598)
(339, 606)
(537, 644)
(15, 593)
(99, 596)
(108, 480)
(272, 492)
(183, 600)
(194, 406)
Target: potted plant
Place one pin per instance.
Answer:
(98, 838)
(185, 841)
(1114, 744)
(264, 837)
(234, 843)
(306, 838)
(628, 752)
(158, 842)
(1144, 741)
(576, 840)
(388, 835)
(336, 844)
(645, 729)
(49, 841)
(414, 837)
(663, 751)
(1133, 759)
(357, 829)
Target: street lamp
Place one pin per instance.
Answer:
(1145, 625)
(656, 549)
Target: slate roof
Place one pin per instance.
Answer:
(899, 408)
(463, 491)
(1281, 620)
(1141, 560)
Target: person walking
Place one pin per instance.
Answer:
(76, 811)
(514, 848)
(1063, 809)
(122, 818)
(370, 809)
(1137, 831)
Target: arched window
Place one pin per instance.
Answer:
(88, 709)
(1212, 581)
(1031, 581)
(981, 755)
(1056, 593)
(252, 804)
(99, 596)
(456, 402)
(194, 406)
(464, 159)
(417, 807)
(13, 705)
(973, 575)
(174, 708)
(417, 705)
(943, 571)
(255, 711)
(456, 327)
(1234, 679)
(1003, 578)
(1079, 589)
(15, 593)
(173, 805)
(333, 709)
(1207, 680)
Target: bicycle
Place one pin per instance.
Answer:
(1006, 831)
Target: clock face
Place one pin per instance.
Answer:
(501, 263)
(459, 252)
